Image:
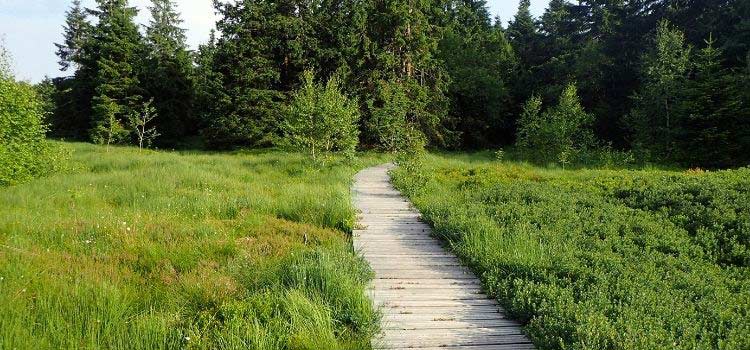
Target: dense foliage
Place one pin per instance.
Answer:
(147, 250)
(598, 259)
(557, 133)
(321, 119)
(24, 152)
(666, 79)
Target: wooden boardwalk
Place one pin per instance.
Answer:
(428, 300)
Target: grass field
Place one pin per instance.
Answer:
(599, 259)
(160, 250)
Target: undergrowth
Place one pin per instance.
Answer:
(599, 259)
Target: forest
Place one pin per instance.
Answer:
(586, 173)
(646, 80)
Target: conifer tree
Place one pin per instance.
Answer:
(206, 82)
(247, 108)
(116, 48)
(559, 46)
(403, 47)
(708, 118)
(664, 73)
(75, 33)
(480, 62)
(523, 34)
(337, 26)
(167, 73)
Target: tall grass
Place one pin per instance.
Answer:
(600, 259)
(178, 250)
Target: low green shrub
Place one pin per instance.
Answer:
(600, 259)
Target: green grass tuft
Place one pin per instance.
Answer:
(155, 250)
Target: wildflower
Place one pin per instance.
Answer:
(187, 338)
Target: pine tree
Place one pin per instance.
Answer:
(523, 34)
(207, 85)
(167, 73)
(75, 33)
(709, 118)
(402, 53)
(559, 47)
(664, 73)
(116, 49)
(480, 62)
(246, 109)
(337, 26)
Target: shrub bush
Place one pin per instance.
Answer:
(321, 119)
(558, 134)
(600, 259)
(24, 152)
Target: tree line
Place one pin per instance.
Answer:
(660, 79)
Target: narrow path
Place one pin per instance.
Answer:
(428, 300)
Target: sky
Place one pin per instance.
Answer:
(30, 28)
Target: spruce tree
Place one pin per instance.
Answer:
(523, 34)
(402, 53)
(710, 118)
(559, 46)
(337, 26)
(246, 110)
(75, 33)
(206, 82)
(664, 74)
(480, 62)
(167, 73)
(116, 50)
(72, 117)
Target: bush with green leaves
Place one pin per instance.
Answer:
(557, 134)
(321, 119)
(393, 120)
(599, 259)
(24, 152)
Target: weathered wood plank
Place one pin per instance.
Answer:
(427, 298)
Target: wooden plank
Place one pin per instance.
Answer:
(427, 298)
(416, 325)
(467, 333)
(442, 342)
(525, 346)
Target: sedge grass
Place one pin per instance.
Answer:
(159, 250)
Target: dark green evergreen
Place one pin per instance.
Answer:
(434, 72)
(481, 64)
(400, 55)
(115, 51)
(167, 74)
(76, 31)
